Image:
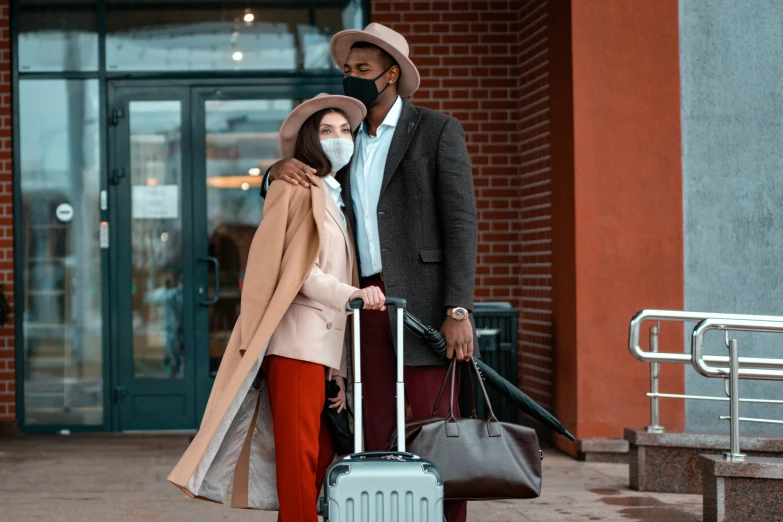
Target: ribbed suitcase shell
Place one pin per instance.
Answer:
(381, 486)
(377, 489)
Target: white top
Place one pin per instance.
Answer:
(367, 167)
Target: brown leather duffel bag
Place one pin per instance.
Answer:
(478, 459)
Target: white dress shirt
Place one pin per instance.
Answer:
(367, 168)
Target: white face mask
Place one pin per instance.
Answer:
(339, 152)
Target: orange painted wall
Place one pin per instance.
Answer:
(627, 251)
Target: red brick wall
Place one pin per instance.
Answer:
(7, 381)
(475, 59)
(535, 205)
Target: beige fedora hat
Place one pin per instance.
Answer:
(390, 41)
(286, 139)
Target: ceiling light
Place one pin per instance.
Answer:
(249, 17)
(237, 56)
(255, 171)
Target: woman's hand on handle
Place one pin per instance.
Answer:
(372, 296)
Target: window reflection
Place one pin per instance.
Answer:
(58, 35)
(61, 273)
(201, 35)
(156, 239)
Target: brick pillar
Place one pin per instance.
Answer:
(535, 105)
(7, 364)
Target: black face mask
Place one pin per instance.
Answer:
(363, 89)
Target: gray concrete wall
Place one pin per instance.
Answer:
(731, 60)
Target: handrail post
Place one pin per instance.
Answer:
(734, 454)
(655, 370)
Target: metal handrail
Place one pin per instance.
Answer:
(735, 371)
(739, 324)
(694, 317)
(655, 358)
(711, 398)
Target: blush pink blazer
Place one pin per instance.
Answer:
(313, 327)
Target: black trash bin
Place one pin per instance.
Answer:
(496, 328)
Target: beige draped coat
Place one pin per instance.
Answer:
(235, 437)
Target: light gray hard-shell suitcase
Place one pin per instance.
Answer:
(381, 486)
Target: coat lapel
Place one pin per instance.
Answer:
(353, 251)
(318, 204)
(335, 212)
(403, 133)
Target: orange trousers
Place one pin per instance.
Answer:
(297, 391)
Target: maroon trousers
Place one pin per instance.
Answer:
(379, 375)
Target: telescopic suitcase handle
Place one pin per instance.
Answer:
(396, 302)
(358, 413)
(381, 454)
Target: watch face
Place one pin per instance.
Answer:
(459, 313)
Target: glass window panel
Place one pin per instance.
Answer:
(58, 35)
(193, 36)
(241, 143)
(62, 315)
(156, 239)
(318, 37)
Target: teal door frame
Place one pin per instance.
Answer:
(139, 404)
(197, 381)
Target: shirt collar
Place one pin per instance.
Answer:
(332, 182)
(392, 117)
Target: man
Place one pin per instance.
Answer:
(409, 196)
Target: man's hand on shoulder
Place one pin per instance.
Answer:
(292, 171)
(459, 338)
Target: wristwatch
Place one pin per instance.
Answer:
(457, 313)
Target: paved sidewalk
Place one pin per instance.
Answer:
(122, 478)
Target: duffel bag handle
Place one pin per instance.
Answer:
(452, 430)
(452, 367)
(493, 426)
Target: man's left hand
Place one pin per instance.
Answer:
(459, 338)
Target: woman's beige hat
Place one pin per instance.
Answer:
(286, 139)
(390, 41)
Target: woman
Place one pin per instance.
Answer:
(301, 272)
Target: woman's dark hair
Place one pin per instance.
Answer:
(308, 148)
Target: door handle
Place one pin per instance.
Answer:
(117, 174)
(214, 262)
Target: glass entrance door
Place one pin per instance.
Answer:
(151, 239)
(186, 165)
